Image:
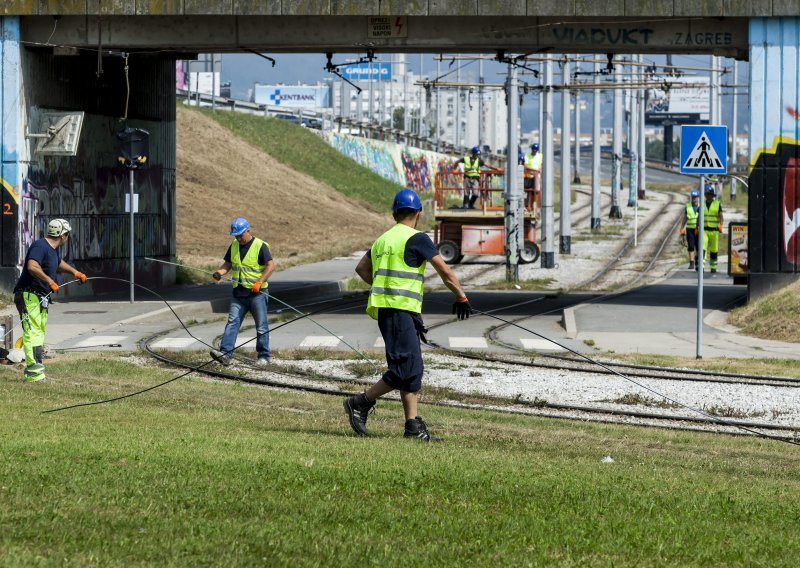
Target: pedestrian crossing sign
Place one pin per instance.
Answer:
(704, 149)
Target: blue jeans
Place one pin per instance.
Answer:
(256, 304)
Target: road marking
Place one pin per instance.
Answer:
(174, 343)
(468, 343)
(539, 344)
(320, 341)
(98, 340)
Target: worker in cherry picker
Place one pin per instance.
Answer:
(533, 166)
(472, 176)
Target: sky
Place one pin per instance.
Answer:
(244, 70)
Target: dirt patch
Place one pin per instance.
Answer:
(220, 177)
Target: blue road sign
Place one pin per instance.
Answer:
(704, 149)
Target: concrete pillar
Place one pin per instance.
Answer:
(546, 146)
(595, 218)
(565, 219)
(734, 126)
(774, 198)
(642, 140)
(13, 248)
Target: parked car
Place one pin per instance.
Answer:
(312, 123)
(288, 118)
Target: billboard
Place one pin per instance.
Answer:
(293, 96)
(737, 249)
(362, 71)
(682, 100)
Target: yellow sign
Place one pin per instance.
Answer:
(737, 249)
(387, 26)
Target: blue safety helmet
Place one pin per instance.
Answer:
(710, 189)
(475, 150)
(406, 199)
(535, 147)
(695, 193)
(239, 226)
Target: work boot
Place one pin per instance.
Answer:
(417, 429)
(472, 201)
(34, 373)
(357, 407)
(465, 205)
(713, 271)
(220, 357)
(691, 265)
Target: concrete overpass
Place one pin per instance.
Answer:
(66, 55)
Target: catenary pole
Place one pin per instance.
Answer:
(513, 195)
(546, 147)
(565, 220)
(595, 219)
(616, 158)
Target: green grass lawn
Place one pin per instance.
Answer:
(306, 152)
(215, 473)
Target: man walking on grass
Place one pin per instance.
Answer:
(395, 268)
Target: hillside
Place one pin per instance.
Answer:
(773, 316)
(220, 176)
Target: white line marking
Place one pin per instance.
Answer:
(539, 344)
(468, 343)
(320, 341)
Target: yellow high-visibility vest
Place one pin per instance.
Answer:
(395, 284)
(245, 271)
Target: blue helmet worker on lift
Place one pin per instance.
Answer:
(250, 263)
(472, 176)
(533, 167)
(689, 228)
(394, 267)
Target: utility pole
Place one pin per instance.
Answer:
(423, 107)
(714, 87)
(458, 109)
(565, 239)
(595, 219)
(616, 158)
(668, 132)
(480, 104)
(371, 93)
(546, 146)
(633, 143)
(642, 141)
(514, 220)
(438, 103)
(734, 125)
(213, 82)
(577, 174)
(406, 109)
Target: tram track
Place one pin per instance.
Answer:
(340, 386)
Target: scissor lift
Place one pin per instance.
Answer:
(481, 230)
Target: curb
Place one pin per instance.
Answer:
(568, 319)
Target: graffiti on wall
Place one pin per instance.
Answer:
(403, 165)
(774, 178)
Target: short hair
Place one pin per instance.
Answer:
(404, 213)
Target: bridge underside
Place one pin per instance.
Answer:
(431, 34)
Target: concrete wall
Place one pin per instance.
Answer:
(605, 8)
(88, 189)
(774, 181)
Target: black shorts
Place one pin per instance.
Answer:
(400, 330)
(691, 240)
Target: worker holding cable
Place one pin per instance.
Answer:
(395, 269)
(250, 263)
(33, 290)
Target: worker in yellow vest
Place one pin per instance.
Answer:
(395, 269)
(712, 227)
(533, 166)
(689, 228)
(250, 263)
(472, 176)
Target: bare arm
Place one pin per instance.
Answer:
(269, 268)
(65, 267)
(447, 275)
(35, 270)
(364, 269)
(225, 268)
